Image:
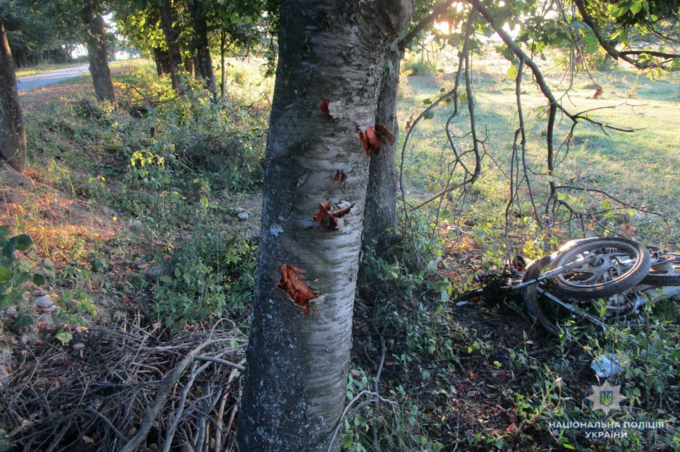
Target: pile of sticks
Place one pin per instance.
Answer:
(127, 389)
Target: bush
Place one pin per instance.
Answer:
(211, 276)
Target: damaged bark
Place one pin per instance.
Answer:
(12, 133)
(297, 363)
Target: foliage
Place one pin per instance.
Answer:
(211, 276)
(15, 272)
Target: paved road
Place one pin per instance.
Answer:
(34, 81)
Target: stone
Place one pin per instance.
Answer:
(136, 226)
(243, 215)
(44, 302)
(78, 346)
(154, 273)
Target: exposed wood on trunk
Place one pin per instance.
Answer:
(12, 134)
(298, 357)
(97, 53)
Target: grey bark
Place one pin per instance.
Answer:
(98, 55)
(12, 133)
(204, 60)
(297, 359)
(171, 33)
(381, 200)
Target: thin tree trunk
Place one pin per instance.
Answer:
(381, 205)
(157, 58)
(202, 46)
(12, 134)
(381, 198)
(97, 54)
(323, 118)
(223, 50)
(171, 34)
(189, 65)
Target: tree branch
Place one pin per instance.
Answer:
(438, 11)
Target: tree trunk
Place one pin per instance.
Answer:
(171, 34)
(97, 55)
(12, 134)
(189, 65)
(202, 46)
(328, 78)
(157, 58)
(381, 205)
(381, 198)
(223, 50)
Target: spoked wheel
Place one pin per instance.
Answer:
(665, 270)
(601, 268)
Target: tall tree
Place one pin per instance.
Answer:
(12, 134)
(322, 132)
(97, 54)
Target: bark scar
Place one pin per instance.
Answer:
(326, 104)
(298, 291)
(339, 177)
(373, 138)
(329, 216)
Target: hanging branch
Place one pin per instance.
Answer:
(470, 176)
(624, 55)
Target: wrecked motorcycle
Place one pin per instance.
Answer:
(611, 276)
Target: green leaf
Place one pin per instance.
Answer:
(24, 242)
(64, 336)
(444, 296)
(38, 280)
(619, 10)
(166, 279)
(512, 72)
(442, 90)
(427, 101)
(178, 273)
(348, 440)
(9, 248)
(636, 7)
(5, 275)
(592, 44)
(4, 232)
(463, 98)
